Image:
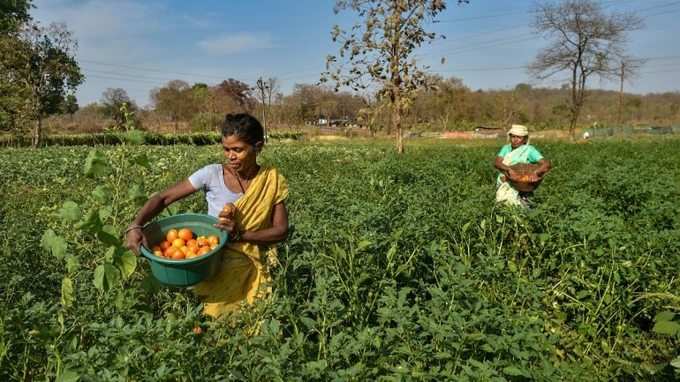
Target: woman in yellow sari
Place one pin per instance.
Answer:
(248, 200)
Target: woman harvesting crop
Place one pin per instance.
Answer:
(248, 200)
(518, 152)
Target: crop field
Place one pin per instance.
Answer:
(397, 268)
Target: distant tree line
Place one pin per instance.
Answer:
(447, 105)
(181, 107)
(390, 93)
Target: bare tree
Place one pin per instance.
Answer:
(261, 87)
(265, 88)
(271, 90)
(379, 50)
(585, 42)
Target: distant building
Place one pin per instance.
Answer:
(489, 132)
(340, 122)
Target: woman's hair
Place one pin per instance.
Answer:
(244, 126)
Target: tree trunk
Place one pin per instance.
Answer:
(396, 125)
(37, 133)
(264, 122)
(623, 67)
(572, 125)
(574, 105)
(445, 120)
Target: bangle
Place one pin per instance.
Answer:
(132, 227)
(236, 235)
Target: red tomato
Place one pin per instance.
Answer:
(185, 234)
(171, 235)
(213, 240)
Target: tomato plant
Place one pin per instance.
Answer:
(397, 268)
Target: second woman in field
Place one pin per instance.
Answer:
(517, 151)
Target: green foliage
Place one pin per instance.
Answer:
(664, 324)
(132, 137)
(129, 120)
(96, 164)
(54, 243)
(395, 269)
(202, 122)
(13, 14)
(117, 105)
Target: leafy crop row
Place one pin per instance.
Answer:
(397, 268)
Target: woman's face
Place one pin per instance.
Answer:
(240, 155)
(517, 141)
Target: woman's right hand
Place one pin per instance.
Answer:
(512, 174)
(134, 239)
(228, 211)
(226, 224)
(226, 221)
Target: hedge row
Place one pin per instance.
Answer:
(133, 137)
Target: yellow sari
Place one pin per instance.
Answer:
(243, 273)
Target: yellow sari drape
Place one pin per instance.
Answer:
(243, 272)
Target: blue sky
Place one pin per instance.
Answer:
(140, 45)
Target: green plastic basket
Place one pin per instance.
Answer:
(183, 273)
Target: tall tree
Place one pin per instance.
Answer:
(201, 98)
(585, 42)
(265, 90)
(14, 108)
(379, 50)
(13, 14)
(49, 70)
(238, 92)
(173, 100)
(441, 101)
(261, 86)
(70, 105)
(113, 101)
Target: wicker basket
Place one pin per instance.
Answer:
(524, 169)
